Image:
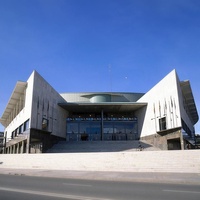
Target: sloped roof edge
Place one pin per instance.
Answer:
(15, 97)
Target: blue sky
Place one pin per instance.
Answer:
(99, 45)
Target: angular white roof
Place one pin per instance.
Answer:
(17, 93)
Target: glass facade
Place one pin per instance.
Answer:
(94, 128)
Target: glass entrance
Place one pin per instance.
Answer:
(94, 128)
(83, 130)
(120, 130)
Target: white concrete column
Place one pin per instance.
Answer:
(22, 147)
(17, 148)
(28, 144)
(13, 149)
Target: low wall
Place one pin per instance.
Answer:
(163, 141)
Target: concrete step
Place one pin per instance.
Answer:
(185, 161)
(100, 146)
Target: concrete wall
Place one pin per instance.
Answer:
(163, 142)
(45, 107)
(163, 101)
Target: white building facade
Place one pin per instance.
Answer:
(171, 113)
(37, 116)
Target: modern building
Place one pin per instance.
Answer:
(37, 116)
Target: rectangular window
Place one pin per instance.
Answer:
(162, 123)
(108, 127)
(21, 129)
(44, 123)
(13, 134)
(26, 125)
(119, 127)
(16, 132)
(85, 127)
(95, 128)
(72, 127)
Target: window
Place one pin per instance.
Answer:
(12, 136)
(26, 125)
(72, 127)
(119, 127)
(16, 132)
(21, 129)
(162, 123)
(85, 127)
(44, 123)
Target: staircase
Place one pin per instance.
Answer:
(100, 146)
(180, 161)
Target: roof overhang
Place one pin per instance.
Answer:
(15, 97)
(187, 93)
(113, 107)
